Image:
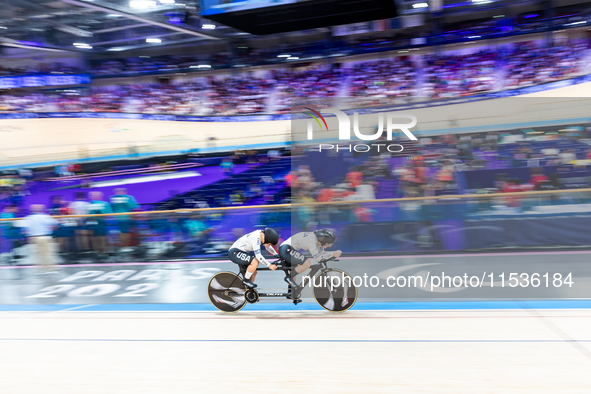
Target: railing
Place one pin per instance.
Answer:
(537, 219)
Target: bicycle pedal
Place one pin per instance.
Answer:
(295, 302)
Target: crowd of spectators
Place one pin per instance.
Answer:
(442, 76)
(460, 75)
(232, 96)
(434, 168)
(383, 80)
(528, 64)
(240, 96)
(182, 99)
(298, 85)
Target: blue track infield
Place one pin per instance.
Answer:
(285, 307)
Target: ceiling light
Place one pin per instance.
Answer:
(283, 55)
(166, 1)
(474, 37)
(293, 58)
(82, 45)
(208, 26)
(153, 40)
(420, 5)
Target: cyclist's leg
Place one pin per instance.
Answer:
(252, 269)
(284, 254)
(294, 258)
(245, 259)
(291, 257)
(304, 266)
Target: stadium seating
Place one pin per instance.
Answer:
(383, 82)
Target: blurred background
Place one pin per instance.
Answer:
(152, 134)
(176, 117)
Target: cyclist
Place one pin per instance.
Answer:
(314, 242)
(241, 252)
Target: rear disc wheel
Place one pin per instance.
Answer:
(334, 290)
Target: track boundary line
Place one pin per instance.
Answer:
(306, 340)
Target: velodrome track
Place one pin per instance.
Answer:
(166, 338)
(69, 350)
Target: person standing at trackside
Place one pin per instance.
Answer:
(97, 224)
(122, 202)
(79, 207)
(241, 252)
(39, 227)
(10, 231)
(314, 242)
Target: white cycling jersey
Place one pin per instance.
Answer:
(309, 242)
(251, 242)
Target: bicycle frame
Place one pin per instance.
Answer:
(287, 271)
(314, 269)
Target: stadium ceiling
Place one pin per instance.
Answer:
(104, 25)
(111, 26)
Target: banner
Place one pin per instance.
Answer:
(44, 80)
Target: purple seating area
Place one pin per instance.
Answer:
(146, 193)
(255, 185)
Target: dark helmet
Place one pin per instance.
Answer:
(325, 236)
(271, 236)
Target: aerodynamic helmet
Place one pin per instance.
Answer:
(325, 236)
(271, 236)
